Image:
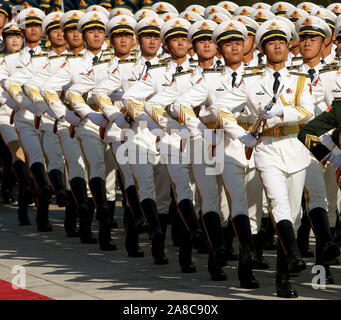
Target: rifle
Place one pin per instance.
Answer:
(258, 127)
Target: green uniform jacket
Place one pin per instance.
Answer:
(309, 134)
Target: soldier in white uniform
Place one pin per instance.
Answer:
(180, 174)
(330, 81)
(122, 40)
(32, 58)
(174, 37)
(13, 40)
(71, 149)
(154, 201)
(96, 151)
(229, 36)
(282, 176)
(50, 141)
(313, 31)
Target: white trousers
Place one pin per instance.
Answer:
(254, 191)
(100, 161)
(7, 130)
(31, 141)
(152, 183)
(73, 155)
(233, 178)
(53, 151)
(125, 170)
(284, 192)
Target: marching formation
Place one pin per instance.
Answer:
(225, 118)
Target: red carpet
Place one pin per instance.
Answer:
(8, 293)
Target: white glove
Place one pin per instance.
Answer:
(72, 118)
(335, 159)
(98, 119)
(121, 122)
(276, 110)
(248, 139)
(327, 141)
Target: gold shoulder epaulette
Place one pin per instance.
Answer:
(69, 56)
(190, 71)
(101, 62)
(155, 66)
(260, 66)
(127, 61)
(324, 70)
(293, 67)
(165, 60)
(299, 74)
(252, 74)
(297, 58)
(40, 55)
(330, 65)
(61, 56)
(214, 70)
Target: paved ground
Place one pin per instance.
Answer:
(63, 268)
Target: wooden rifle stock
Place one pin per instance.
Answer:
(255, 133)
(260, 123)
(11, 119)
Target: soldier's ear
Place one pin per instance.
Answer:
(219, 51)
(261, 50)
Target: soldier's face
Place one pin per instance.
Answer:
(338, 44)
(311, 46)
(122, 42)
(56, 36)
(3, 20)
(177, 46)
(13, 42)
(232, 50)
(149, 44)
(205, 48)
(94, 38)
(276, 50)
(249, 44)
(73, 37)
(33, 32)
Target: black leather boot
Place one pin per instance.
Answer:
(247, 256)
(261, 263)
(288, 242)
(190, 220)
(97, 187)
(217, 273)
(185, 250)
(8, 180)
(132, 235)
(134, 204)
(283, 286)
(85, 214)
(243, 231)
(23, 209)
(44, 194)
(202, 247)
(70, 219)
(337, 233)
(303, 234)
(329, 251)
(270, 242)
(57, 180)
(228, 233)
(214, 232)
(25, 181)
(112, 207)
(149, 210)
